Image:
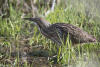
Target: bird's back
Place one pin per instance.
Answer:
(60, 31)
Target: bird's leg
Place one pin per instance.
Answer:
(57, 57)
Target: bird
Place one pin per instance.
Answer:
(59, 32)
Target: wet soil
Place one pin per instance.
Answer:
(21, 53)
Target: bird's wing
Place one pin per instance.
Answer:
(76, 34)
(55, 34)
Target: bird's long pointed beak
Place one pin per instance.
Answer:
(30, 19)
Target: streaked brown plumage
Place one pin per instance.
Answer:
(58, 32)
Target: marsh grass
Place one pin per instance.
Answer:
(14, 29)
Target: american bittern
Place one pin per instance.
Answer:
(59, 32)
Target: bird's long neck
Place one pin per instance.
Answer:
(44, 27)
(46, 24)
(43, 24)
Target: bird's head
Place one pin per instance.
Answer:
(39, 21)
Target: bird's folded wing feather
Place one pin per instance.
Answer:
(75, 33)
